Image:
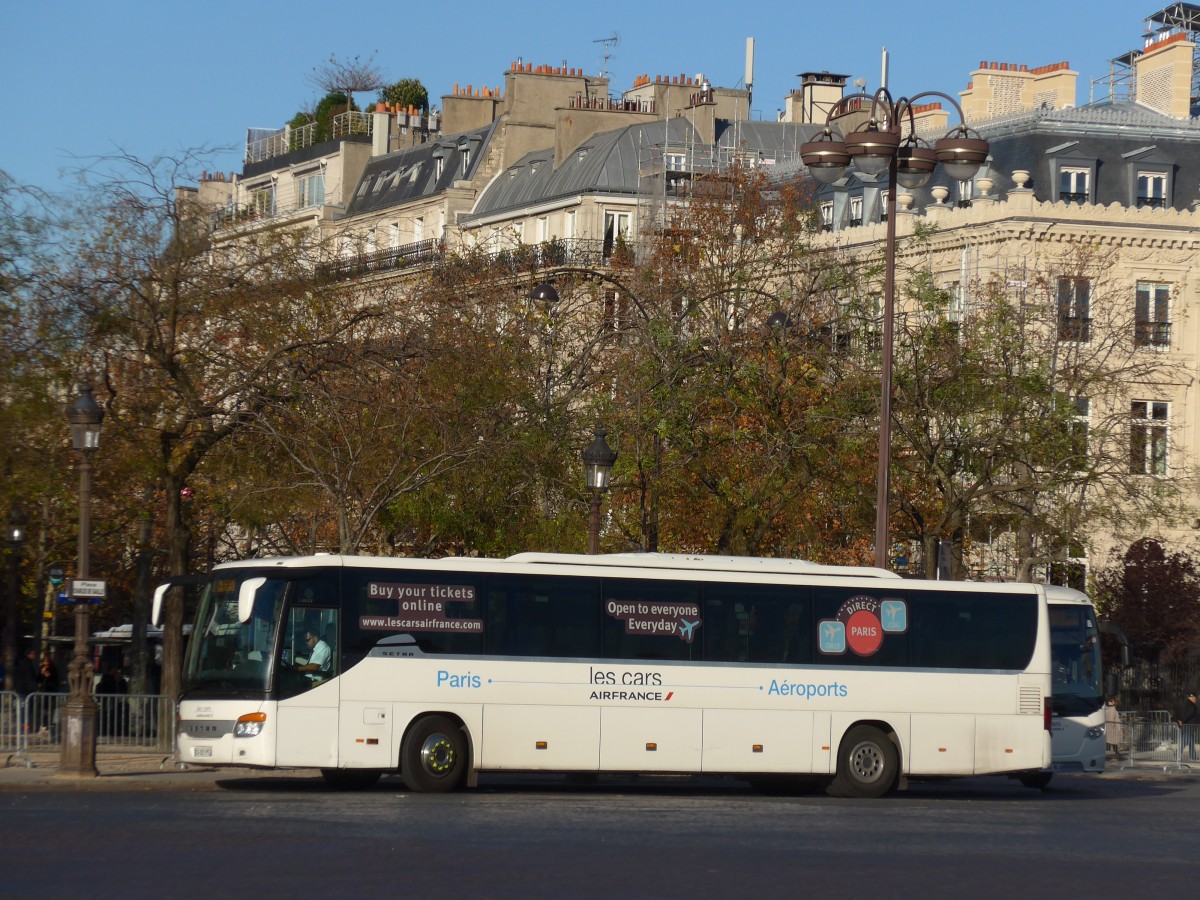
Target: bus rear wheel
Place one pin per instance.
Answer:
(433, 758)
(867, 764)
(350, 779)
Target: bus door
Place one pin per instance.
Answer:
(307, 683)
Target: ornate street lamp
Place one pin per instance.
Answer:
(598, 461)
(887, 141)
(79, 713)
(15, 537)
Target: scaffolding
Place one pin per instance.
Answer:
(1121, 81)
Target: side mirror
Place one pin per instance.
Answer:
(156, 608)
(246, 593)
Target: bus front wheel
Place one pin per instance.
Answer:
(867, 764)
(1039, 781)
(433, 758)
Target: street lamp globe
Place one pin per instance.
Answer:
(544, 293)
(85, 416)
(598, 460)
(16, 526)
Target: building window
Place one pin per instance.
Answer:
(394, 235)
(418, 229)
(1152, 189)
(856, 207)
(676, 162)
(1074, 309)
(1078, 433)
(1074, 185)
(616, 229)
(262, 200)
(543, 230)
(439, 164)
(569, 225)
(310, 190)
(466, 160)
(1148, 437)
(827, 215)
(616, 312)
(1152, 324)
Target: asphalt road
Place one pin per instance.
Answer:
(253, 836)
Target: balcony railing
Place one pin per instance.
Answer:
(1074, 328)
(289, 139)
(392, 259)
(1152, 334)
(522, 259)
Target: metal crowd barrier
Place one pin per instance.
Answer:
(125, 723)
(11, 723)
(1155, 740)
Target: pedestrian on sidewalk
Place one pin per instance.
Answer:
(1114, 732)
(1187, 717)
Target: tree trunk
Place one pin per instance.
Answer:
(140, 681)
(177, 562)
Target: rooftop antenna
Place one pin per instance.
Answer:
(609, 43)
(749, 76)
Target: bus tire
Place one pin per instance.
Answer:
(433, 758)
(350, 779)
(1039, 781)
(868, 764)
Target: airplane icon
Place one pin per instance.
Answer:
(833, 637)
(686, 628)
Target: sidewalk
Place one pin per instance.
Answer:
(124, 770)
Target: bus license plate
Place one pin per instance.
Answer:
(201, 752)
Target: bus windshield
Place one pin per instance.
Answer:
(225, 654)
(1075, 647)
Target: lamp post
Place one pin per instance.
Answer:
(598, 461)
(874, 147)
(79, 713)
(15, 538)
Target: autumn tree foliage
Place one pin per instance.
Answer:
(189, 337)
(1153, 594)
(734, 383)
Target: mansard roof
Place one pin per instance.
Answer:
(613, 162)
(609, 162)
(411, 173)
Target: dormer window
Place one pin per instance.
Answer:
(1152, 190)
(439, 164)
(1074, 184)
(1072, 173)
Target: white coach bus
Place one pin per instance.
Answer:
(778, 671)
(1078, 686)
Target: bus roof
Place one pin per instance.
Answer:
(702, 562)
(1064, 595)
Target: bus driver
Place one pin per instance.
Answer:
(320, 657)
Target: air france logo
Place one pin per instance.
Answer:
(861, 624)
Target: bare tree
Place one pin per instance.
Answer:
(347, 76)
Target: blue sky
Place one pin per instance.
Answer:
(84, 78)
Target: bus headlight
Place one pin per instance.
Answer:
(1096, 733)
(249, 725)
